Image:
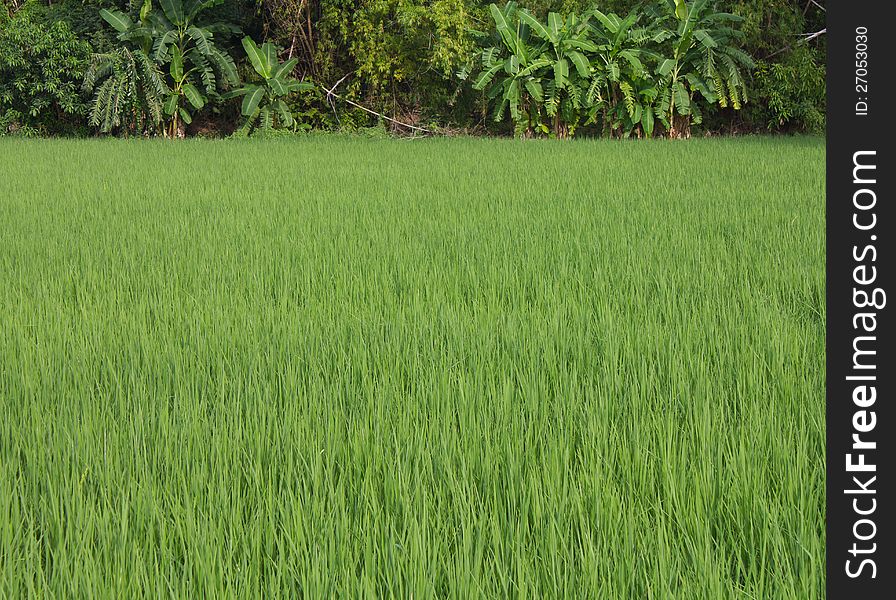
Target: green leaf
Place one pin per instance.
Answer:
(269, 55)
(613, 71)
(534, 24)
(486, 76)
(632, 57)
(144, 12)
(286, 68)
(255, 56)
(277, 86)
(251, 100)
(299, 86)
(698, 84)
(285, 114)
(608, 24)
(704, 38)
(647, 121)
(159, 21)
(174, 10)
(512, 96)
(171, 103)
(648, 92)
(681, 10)
(201, 38)
(740, 56)
(555, 23)
(662, 36)
(177, 64)
(247, 125)
(512, 65)
(681, 98)
(193, 96)
(535, 90)
(561, 72)
(184, 115)
(237, 92)
(580, 44)
(503, 27)
(117, 19)
(541, 62)
(665, 67)
(626, 24)
(490, 56)
(581, 63)
(267, 119)
(192, 8)
(561, 69)
(160, 46)
(225, 28)
(225, 64)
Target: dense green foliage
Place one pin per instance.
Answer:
(177, 43)
(628, 73)
(312, 376)
(129, 91)
(264, 101)
(400, 57)
(792, 92)
(536, 71)
(41, 67)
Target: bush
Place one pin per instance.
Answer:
(791, 93)
(42, 63)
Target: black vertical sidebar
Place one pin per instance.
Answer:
(861, 369)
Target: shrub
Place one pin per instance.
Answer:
(41, 66)
(792, 92)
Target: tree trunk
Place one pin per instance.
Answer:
(680, 127)
(561, 130)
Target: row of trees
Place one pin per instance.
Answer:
(170, 66)
(628, 74)
(548, 67)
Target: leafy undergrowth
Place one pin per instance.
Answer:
(434, 368)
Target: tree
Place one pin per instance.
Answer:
(265, 100)
(566, 71)
(622, 92)
(41, 66)
(182, 42)
(535, 70)
(705, 59)
(509, 71)
(131, 93)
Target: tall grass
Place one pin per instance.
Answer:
(436, 368)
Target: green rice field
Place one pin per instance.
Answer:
(438, 368)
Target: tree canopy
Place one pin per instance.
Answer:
(602, 67)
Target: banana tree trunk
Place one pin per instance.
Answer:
(679, 126)
(561, 129)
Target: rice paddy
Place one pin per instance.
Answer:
(465, 368)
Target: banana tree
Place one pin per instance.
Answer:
(705, 59)
(636, 112)
(622, 92)
(510, 71)
(265, 100)
(182, 42)
(129, 91)
(566, 70)
(535, 70)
